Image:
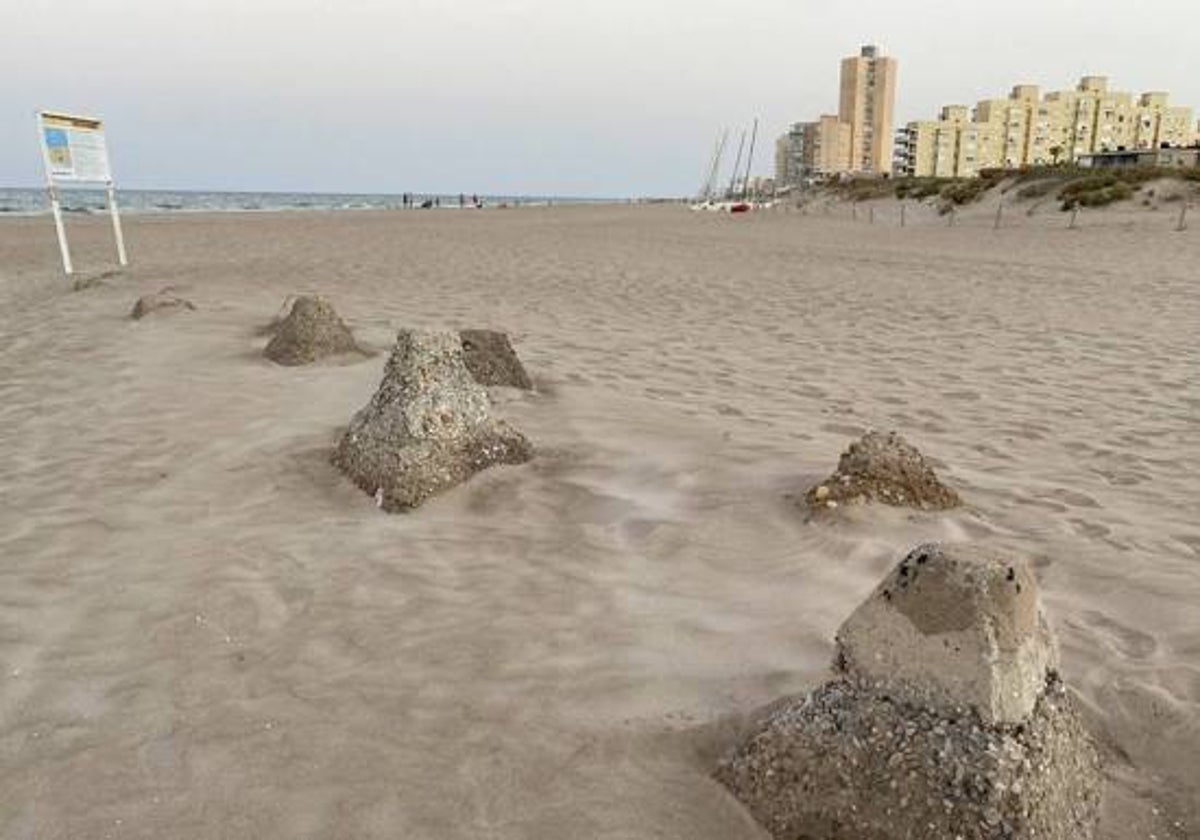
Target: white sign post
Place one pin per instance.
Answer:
(75, 154)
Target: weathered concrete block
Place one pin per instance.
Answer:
(427, 428)
(491, 359)
(954, 627)
(946, 719)
(848, 762)
(882, 468)
(311, 331)
(163, 299)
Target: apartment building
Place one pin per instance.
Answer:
(858, 139)
(867, 104)
(790, 168)
(1029, 129)
(827, 146)
(818, 149)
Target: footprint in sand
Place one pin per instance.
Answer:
(1191, 541)
(1072, 498)
(1092, 530)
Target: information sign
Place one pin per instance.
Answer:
(75, 154)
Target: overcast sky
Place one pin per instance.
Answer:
(566, 97)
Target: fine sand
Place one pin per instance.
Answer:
(207, 632)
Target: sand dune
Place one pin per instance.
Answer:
(206, 631)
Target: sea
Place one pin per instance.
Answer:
(21, 201)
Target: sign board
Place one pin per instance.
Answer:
(75, 149)
(75, 154)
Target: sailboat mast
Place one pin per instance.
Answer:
(715, 166)
(737, 165)
(750, 158)
(708, 168)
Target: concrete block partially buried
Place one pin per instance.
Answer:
(954, 627)
(946, 719)
(885, 468)
(491, 359)
(850, 763)
(312, 330)
(427, 428)
(164, 300)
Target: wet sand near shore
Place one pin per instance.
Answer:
(206, 631)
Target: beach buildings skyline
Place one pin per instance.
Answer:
(1025, 128)
(1031, 129)
(856, 140)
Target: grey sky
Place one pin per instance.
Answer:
(599, 97)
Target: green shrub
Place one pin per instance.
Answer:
(864, 189)
(1038, 173)
(1038, 189)
(920, 188)
(1101, 194)
(965, 192)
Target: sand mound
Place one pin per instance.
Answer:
(311, 331)
(491, 359)
(916, 736)
(163, 299)
(427, 428)
(883, 468)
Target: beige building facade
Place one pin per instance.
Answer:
(818, 149)
(858, 139)
(827, 146)
(1028, 129)
(867, 104)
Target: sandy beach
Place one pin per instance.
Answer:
(206, 631)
